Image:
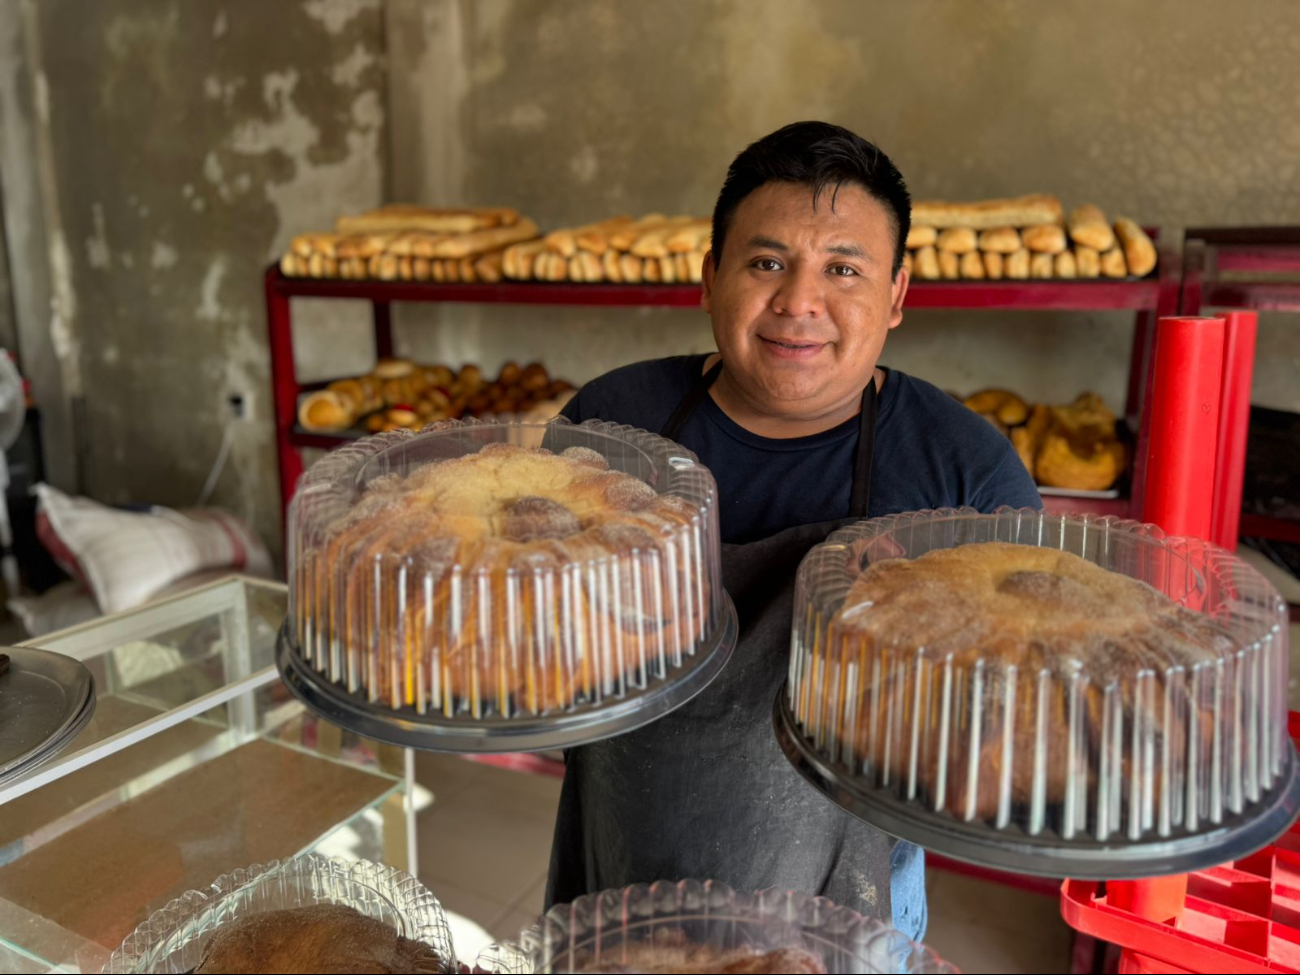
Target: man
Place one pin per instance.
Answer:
(803, 431)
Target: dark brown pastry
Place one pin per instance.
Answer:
(325, 938)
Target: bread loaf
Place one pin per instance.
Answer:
(1024, 211)
(1041, 266)
(1045, 239)
(972, 266)
(918, 237)
(956, 240)
(446, 220)
(949, 265)
(1088, 261)
(1139, 251)
(479, 242)
(993, 262)
(1065, 266)
(623, 239)
(927, 264)
(1112, 263)
(1000, 240)
(1017, 265)
(1088, 227)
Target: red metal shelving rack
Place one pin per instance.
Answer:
(1211, 258)
(1148, 297)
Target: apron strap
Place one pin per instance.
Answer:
(860, 495)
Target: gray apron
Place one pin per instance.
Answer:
(705, 792)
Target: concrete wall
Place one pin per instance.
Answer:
(167, 151)
(1177, 112)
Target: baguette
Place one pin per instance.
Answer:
(1139, 251)
(467, 269)
(1089, 228)
(451, 268)
(363, 245)
(402, 245)
(316, 265)
(404, 269)
(558, 268)
(993, 262)
(972, 266)
(650, 269)
(682, 267)
(519, 259)
(387, 267)
(590, 266)
(1044, 239)
(949, 265)
(420, 268)
(471, 245)
(1017, 265)
(1112, 263)
(1065, 265)
(688, 238)
(630, 268)
(304, 245)
(438, 270)
(622, 240)
(577, 269)
(345, 268)
(566, 241)
(1041, 266)
(919, 237)
(1000, 240)
(453, 220)
(654, 242)
(927, 264)
(1023, 211)
(596, 237)
(956, 240)
(668, 270)
(425, 245)
(1088, 262)
(372, 265)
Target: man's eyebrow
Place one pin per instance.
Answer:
(767, 243)
(848, 250)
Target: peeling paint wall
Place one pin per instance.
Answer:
(192, 140)
(1178, 112)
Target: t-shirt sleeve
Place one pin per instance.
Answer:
(1007, 484)
(572, 410)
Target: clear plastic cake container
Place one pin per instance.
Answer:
(172, 940)
(504, 586)
(683, 926)
(1082, 758)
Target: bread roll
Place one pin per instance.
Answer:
(1017, 265)
(956, 240)
(595, 238)
(393, 369)
(452, 270)
(667, 269)
(1139, 251)
(420, 268)
(558, 269)
(611, 266)
(437, 270)
(388, 267)
(682, 267)
(1088, 261)
(1000, 240)
(993, 265)
(1089, 228)
(949, 265)
(622, 240)
(404, 270)
(316, 265)
(650, 270)
(325, 410)
(1112, 263)
(467, 269)
(695, 264)
(1023, 211)
(972, 266)
(289, 265)
(927, 264)
(1041, 266)
(577, 269)
(1065, 266)
(630, 268)
(654, 241)
(919, 237)
(590, 266)
(1045, 239)
(488, 267)
(688, 238)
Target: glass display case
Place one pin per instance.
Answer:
(197, 761)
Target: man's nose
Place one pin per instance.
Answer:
(800, 294)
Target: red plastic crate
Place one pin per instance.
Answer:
(1238, 917)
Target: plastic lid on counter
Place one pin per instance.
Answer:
(1051, 694)
(705, 926)
(175, 937)
(504, 586)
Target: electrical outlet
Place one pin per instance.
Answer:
(238, 404)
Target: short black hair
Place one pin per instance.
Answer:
(818, 155)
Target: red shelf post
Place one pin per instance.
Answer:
(1240, 328)
(284, 385)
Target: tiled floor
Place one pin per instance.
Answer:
(485, 840)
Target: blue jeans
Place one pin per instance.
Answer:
(907, 890)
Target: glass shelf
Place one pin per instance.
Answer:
(197, 761)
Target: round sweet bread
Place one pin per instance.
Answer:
(1048, 634)
(322, 938)
(503, 580)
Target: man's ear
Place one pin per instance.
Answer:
(706, 299)
(898, 293)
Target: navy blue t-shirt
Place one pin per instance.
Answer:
(931, 452)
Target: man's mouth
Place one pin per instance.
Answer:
(789, 348)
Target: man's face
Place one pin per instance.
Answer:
(802, 297)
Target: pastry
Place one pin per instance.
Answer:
(1047, 239)
(1088, 228)
(455, 587)
(668, 957)
(323, 938)
(1036, 622)
(1139, 251)
(325, 411)
(1113, 264)
(1024, 211)
(1009, 408)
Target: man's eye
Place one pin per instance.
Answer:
(842, 270)
(767, 264)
